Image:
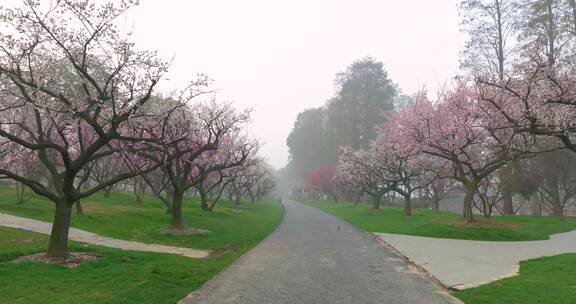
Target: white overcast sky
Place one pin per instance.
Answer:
(280, 57)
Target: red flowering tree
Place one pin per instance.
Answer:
(323, 180)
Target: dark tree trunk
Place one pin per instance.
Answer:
(204, 201)
(487, 210)
(557, 210)
(58, 246)
(79, 209)
(138, 195)
(167, 203)
(332, 195)
(536, 204)
(407, 205)
(20, 192)
(554, 193)
(435, 204)
(471, 188)
(177, 209)
(377, 198)
(357, 198)
(107, 192)
(506, 178)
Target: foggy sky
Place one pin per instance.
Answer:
(280, 57)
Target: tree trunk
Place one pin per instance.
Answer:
(554, 191)
(407, 205)
(435, 204)
(487, 209)
(332, 195)
(204, 201)
(79, 210)
(557, 210)
(211, 206)
(20, 193)
(107, 192)
(377, 199)
(506, 178)
(58, 246)
(471, 188)
(357, 199)
(167, 203)
(177, 209)
(536, 204)
(138, 196)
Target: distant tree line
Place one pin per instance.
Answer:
(506, 126)
(364, 92)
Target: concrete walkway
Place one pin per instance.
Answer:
(316, 258)
(95, 239)
(461, 264)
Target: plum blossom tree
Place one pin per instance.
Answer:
(214, 183)
(488, 195)
(216, 167)
(364, 171)
(101, 170)
(260, 181)
(541, 101)
(440, 188)
(460, 131)
(63, 127)
(159, 185)
(253, 179)
(406, 167)
(322, 179)
(266, 184)
(539, 94)
(190, 153)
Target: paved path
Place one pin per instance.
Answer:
(461, 264)
(315, 258)
(92, 238)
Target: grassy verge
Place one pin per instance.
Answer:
(430, 223)
(548, 280)
(120, 216)
(127, 276)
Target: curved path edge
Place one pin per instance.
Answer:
(462, 264)
(78, 235)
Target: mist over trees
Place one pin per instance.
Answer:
(363, 93)
(502, 133)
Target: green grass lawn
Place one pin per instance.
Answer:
(430, 223)
(127, 276)
(120, 216)
(548, 280)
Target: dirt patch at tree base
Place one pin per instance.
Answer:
(71, 260)
(184, 231)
